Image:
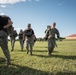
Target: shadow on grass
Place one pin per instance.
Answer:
(40, 47)
(20, 70)
(65, 57)
(43, 51)
(57, 56)
(33, 51)
(39, 50)
(24, 70)
(18, 51)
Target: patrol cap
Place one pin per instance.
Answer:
(48, 26)
(54, 23)
(29, 25)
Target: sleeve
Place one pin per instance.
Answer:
(47, 33)
(58, 34)
(32, 31)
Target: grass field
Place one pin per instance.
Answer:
(62, 61)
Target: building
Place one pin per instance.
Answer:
(73, 36)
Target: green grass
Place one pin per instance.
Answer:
(62, 61)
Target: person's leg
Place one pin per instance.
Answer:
(4, 46)
(30, 49)
(6, 53)
(31, 46)
(13, 43)
(27, 47)
(22, 44)
(53, 45)
(50, 47)
(20, 40)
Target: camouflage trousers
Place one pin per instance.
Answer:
(4, 45)
(29, 44)
(51, 45)
(21, 43)
(12, 42)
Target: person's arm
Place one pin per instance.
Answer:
(32, 31)
(46, 35)
(58, 34)
(33, 35)
(24, 36)
(9, 24)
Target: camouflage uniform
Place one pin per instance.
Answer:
(12, 38)
(4, 45)
(21, 41)
(4, 41)
(10, 28)
(51, 39)
(29, 40)
(48, 27)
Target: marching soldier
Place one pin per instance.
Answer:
(13, 38)
(21, 39)
(48, 27)
(50, 35)
(5, 23)
(46, 32)
(29, 38)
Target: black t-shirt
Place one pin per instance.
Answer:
(20, 36)
(29, 33)
(3, 22)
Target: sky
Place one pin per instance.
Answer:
(41, 13)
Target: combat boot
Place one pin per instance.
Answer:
(27, 50)
(21, 49)
(30, 52)
(8, 62)
(12, 49)
(49, 51)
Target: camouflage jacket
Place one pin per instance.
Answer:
(14, 34)
(51, 33)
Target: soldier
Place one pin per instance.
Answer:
(5, 22)
(9, 29)
(29, 34)
(13, 37)
(48, 27)
(47, 33)
(21, 39)
(51, 38)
